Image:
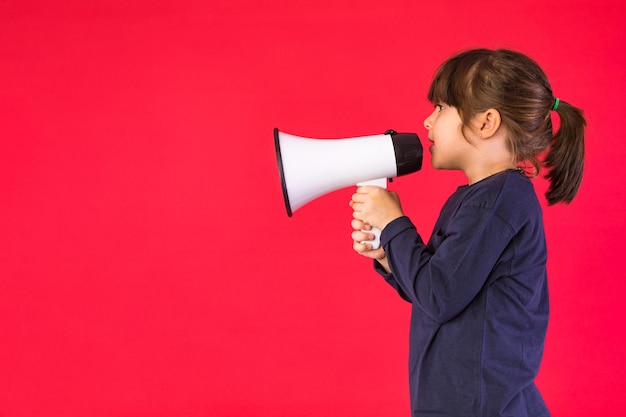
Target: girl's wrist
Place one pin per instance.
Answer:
(384, 263)
(391, 219)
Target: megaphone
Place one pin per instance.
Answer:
(312, 167)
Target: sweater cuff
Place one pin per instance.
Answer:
(394, 228)
(381, 270)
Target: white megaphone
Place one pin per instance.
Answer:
(310, 167)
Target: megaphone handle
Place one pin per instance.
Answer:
(382, 183)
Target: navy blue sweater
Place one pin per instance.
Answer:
(479, 300)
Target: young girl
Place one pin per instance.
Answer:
(478, 287)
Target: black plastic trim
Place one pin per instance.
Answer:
(282, 172)
(409, 152)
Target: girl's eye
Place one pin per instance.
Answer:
(439, 107)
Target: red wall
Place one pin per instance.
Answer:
(147, 265)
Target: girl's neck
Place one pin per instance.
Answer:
(485, 172)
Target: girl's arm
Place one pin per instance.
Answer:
(443, 277)
(381, 263)
(389, 278)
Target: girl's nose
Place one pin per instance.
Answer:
(427, 123)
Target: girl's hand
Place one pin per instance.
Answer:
(375, 206)
(359, 235)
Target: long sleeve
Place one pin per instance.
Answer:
(389, 278)
(444, 276)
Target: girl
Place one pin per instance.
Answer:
(478, 287)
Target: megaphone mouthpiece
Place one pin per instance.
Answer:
(408, 151)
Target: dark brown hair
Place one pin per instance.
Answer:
(512, 83)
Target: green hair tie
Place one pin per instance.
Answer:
(556, 104)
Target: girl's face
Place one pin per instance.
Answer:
(450, 149)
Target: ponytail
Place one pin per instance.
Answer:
(565, 159)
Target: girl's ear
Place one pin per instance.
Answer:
(487, 123)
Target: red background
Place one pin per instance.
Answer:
(148, 267)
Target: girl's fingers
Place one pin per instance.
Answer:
(358, 224)
(359, 236)
(360, 247)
